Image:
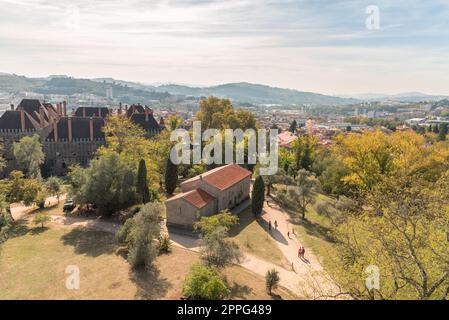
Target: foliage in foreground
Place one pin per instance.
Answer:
(141, 235)
(108, 183)
(205, 283)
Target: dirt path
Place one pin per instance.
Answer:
(20, 211)
(309, 272)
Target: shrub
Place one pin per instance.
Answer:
(205, 283)
(143, 233)
(164, 244)
(323, 208)
(41, 219)
(271, 280)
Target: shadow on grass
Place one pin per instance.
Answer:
(312, 228)
(38, 230)
(150, 284)
(21, 228)
(89, 242)
(239, 291)
(276, 297)
(245, 219)
(317, 230)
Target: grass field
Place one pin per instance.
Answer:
(251, 236)
(33, 265)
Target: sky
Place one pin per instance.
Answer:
(326, 46)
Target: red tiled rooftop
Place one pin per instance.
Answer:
(198, 198)
(223, 177)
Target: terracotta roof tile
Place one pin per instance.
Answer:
(223, 177)
(199, 198)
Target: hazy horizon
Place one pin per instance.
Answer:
(316, 46)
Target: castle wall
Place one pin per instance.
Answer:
(61, 155)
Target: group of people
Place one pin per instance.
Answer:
(301, 250)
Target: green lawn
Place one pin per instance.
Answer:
(33, 265)
(250, 235)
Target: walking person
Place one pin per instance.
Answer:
(269, 225)
(288, 234)
(275, 224)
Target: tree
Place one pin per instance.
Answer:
(173, 122)
(223, 219)
(142, 183)
(293, 126)
(217, 251)
(436, 129)
(219, 114)
(108, 182)
(6, 220)
(258, 196)
(303, 149)
(171, 176)
(443, 132)
(271, 280)
(303, 193)
(41, 219)
(53, 185)
(145, 232)
(29, 155)
(205, 283)
(2, 159)
(401, 230)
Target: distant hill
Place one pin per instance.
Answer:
(405, 97)
(258, 94)
(14, 83)
(70, 86)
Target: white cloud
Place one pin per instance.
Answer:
(312, 45)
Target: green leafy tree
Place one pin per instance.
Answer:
(223, 219)
(402, 230)
(303, 193)
(171, 176)
(142, 183)
(29, 155)
(258, 196)
(442, 135)
(2, 159)
(6, 220)
(205, 283)
(145, 232)
(271, 280)
(293, 126)
(108, 182)
(41, 219)
(54, 186)
(217, 250)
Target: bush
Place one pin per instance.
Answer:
(124, 235)
(271, 280)
(345, 204)
(142, 235)
(41, 219)
(217, 250)
(205, 283)
(323, 208)
(164, 244)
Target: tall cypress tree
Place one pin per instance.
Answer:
(443, 132)
(258, 196)
(171, 176)
(142, 183)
